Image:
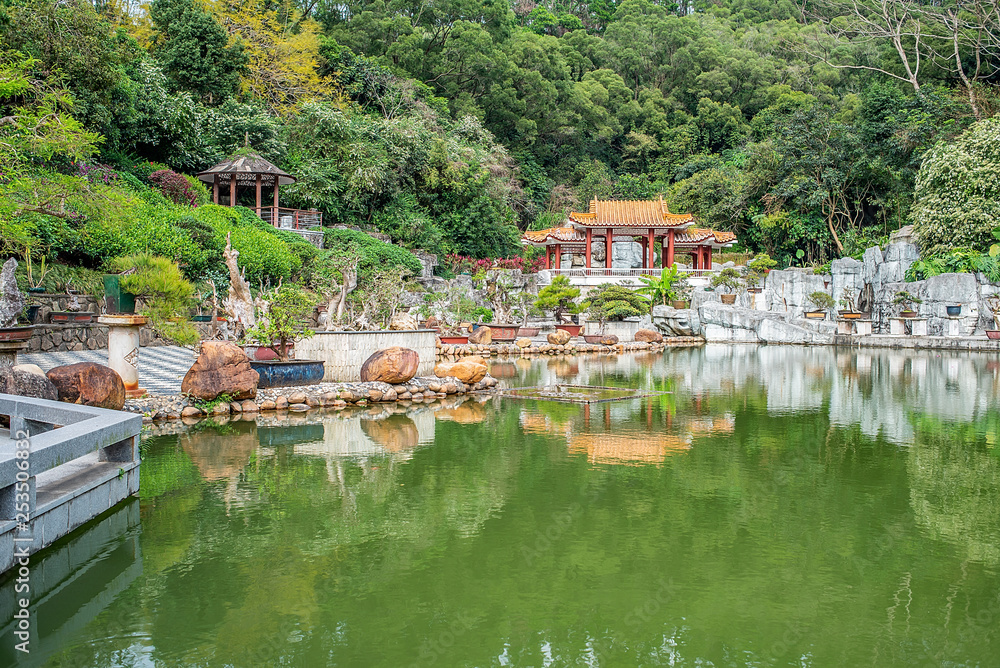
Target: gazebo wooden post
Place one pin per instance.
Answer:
(663, 251)
(558, 259)
(215, 188)
(587, 256)
(694, 259)
(274, 216)
(608, 238)
(258, 194)
(651, 246)
(670, 248)
(548, 256)
(645, 255)
(232, 189)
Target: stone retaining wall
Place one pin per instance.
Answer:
(66, 338)
(345, 352)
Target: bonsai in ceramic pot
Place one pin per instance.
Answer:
(613, 302)
(849, 309)
(821, 303)
(560, 298)
(905, 301)
(278, 329)
(730, 280)
(756, 270)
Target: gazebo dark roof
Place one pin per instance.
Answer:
(246, 167)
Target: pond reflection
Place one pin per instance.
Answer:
(773, 502)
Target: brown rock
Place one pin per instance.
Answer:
(403, 322)
(312, 402)
(389, 395)
(298, 407)
(347, 395)
(434, 386)
(374, 395)
(26, 382)
(89, 384)
(221, 368)
(268, 405)
(235, 407)
(281, 403)
(402, 396)
(220, 409)
(559, 338)
(190, 411)
(523, 342)
(432, 322)
(609, 340)
(470, 370)
(297, 398)
(393, 365)
(250, 407)
(329, 398)
(481, 335)
(648, 336)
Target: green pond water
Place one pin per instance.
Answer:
(780, 507)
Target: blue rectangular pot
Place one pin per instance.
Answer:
(288, 374)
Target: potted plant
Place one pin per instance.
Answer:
(34, 278)
(11, 306)
(663, 288)
(277, 330)
(905, 301)
(953, 310)
(613, 302)
(162, 292)
(756, 270)
(73, 313)
(730, 280)
(524, 305)
(498, 286)
(821, 302)
(849, 310)
(560, 298)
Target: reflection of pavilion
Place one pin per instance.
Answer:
(628, 448)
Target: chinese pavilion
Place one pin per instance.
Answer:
(623, 221)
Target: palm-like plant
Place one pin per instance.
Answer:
(663, 289)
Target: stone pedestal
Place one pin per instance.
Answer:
(9, 351)
(953, 326)
(845, 327)
(123, 349)
(918, 326)
(863, 327)
(897, 326)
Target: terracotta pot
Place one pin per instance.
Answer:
(500, 332)
(815, 315)
(454, 339)
(10, 334)
(850, 315)
(728, 299)
(990, 334)
(71, 316)
(907, 314)
(572, 330)
(679, 303)
(593, 338)
(528, 331)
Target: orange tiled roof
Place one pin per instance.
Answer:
(630, 213)
(694, 235)
(566, 234)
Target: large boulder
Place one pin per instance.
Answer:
(523, 342)
(403, 322)
(469, 370)
(481, 335)
(393, 365)
(559, 338)
(221, 368)
(25, 381)
(89, 384)
(648, 336)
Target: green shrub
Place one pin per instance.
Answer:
(615, 302)
(164, 294)
(264, 255)
(375, 254)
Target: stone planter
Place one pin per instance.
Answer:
(993, 334)
(454, 339)
(288, 374)
(728, 299)
(528, 332)
(76, 317)
(679, 303)
(572, 330)
(501, 333)
(815, 315)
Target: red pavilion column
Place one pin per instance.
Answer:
(215, 189)
(694, 259)
(558, 256)
(642, 244)
(708, 257)
(587, 256)
(608, 237)
(670, 248)
(651, 245)
(548, 256)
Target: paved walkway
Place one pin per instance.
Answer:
(161, 368)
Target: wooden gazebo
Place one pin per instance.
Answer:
(613, 221)
(246, 170)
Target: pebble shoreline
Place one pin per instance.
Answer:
(342, 394)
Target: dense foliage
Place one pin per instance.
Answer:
(453, 125)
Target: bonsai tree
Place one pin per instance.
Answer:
(482, 314)
(162, 293)
(665, 288)
(905, 301)
(847, 301)
(821, 301)
(558, 297)
(524, 306)
(728, 278)
(615, 302)
(279, 328)
(757, 269)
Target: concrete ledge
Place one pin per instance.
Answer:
(919, 342)
(345, 352)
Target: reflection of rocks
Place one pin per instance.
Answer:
(468, 412)
(395, 433)
(618, 448)
(564, 368)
